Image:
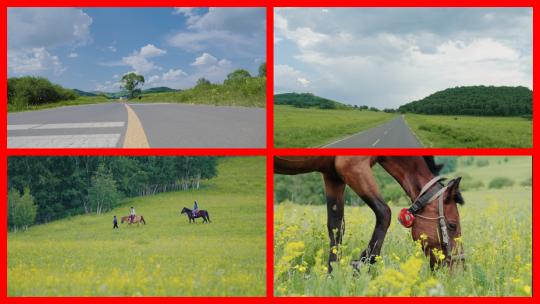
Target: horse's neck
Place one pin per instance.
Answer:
(412, 173)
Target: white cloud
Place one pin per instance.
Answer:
(377, 57)
(139, 60)
(112, 48)
(151, 50)
(173, 75)
(205, 59)
(34, 33)
(115, 76)
(239, 30)
(108, 86)
(33, 61)
(172, 79)
(47, 27)
(288, 79)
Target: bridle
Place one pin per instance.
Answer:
(433, 190)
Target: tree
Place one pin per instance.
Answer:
(203, 81)
(102, 195)
(239, 74)
(131, 82)
(262, 70)
(21, 209)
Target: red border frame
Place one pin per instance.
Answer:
(268, 152)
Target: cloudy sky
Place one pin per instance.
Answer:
(386, 57)
(90, 49)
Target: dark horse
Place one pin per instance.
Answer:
(202, 213)
(434, 210)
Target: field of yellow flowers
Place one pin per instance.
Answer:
(84, 256)
(497, 239)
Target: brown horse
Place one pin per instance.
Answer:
(138, 219)
(434, 210)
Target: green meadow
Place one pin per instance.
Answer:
(300, 127)
(84, 256)
(496, 236)
(451, 131)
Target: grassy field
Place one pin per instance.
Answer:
(298, 128)
(497, 239)
(252, 93)
(82, 100)
(82, 255)
(443, 131)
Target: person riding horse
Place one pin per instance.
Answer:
(131, 215)
(195, 210)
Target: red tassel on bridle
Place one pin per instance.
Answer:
(406, 218)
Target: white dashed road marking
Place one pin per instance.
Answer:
(376, 142)
(65, 141)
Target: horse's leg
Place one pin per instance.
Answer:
(334, 190)
(361, 180)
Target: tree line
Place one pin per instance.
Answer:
(475, 100)
(63, 186)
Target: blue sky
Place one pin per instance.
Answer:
(385, 57)
(91, 48)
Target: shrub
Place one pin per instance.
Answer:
(500, 182)
(526, 183)
(482, 163)
(28, 90)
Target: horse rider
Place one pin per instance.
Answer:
(195, 209)
(132, 214)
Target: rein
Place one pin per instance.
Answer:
(433, 190)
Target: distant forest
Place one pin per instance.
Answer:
(307, 100)
(64, 186)
(475, 100)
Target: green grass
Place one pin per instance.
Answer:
(250, 93)
(83, 256)
(82, 100)
(298, 128)
(443, 131)
(496, 234)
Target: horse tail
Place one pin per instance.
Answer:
(142, 219)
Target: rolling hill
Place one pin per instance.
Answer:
(307, 100)
(474, 100)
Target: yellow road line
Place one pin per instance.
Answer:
(135, 136)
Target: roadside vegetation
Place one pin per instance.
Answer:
(299, 127)
(239, 89)
(444, 131)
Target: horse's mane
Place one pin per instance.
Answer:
(432, 165)
(435, 170)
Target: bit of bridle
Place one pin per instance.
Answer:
(434, 190)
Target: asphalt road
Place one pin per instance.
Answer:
(393, 134)
(153, 125)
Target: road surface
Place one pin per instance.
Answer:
(117, 125)
(393, 134)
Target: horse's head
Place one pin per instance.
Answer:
(184, 210)
(438, 227)
(122, 220)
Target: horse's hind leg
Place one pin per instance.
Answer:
(334, 189)
(362, 181)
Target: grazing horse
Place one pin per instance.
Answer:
(202, 213)
(138, 219)
(433, 213)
